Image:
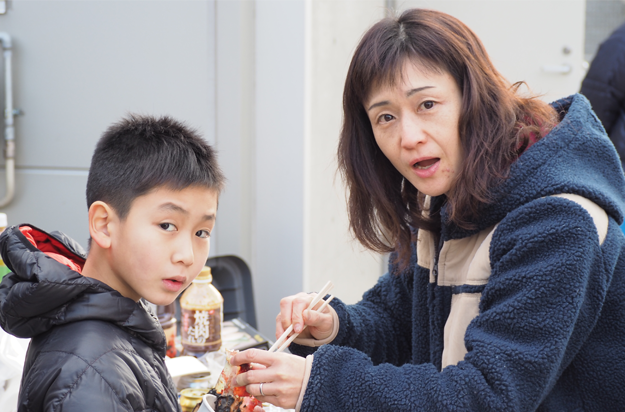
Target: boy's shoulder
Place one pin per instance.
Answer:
(88, 339)
(92, 359)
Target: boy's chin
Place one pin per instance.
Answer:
(161, 300)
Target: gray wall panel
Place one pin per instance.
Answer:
(79, 66)
(279, 155)
(50, 200)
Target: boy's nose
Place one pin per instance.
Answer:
(184, 252)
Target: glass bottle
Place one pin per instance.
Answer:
(201, 308)
(167, 317)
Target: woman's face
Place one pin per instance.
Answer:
(415, 124)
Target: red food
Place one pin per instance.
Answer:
(233, 398)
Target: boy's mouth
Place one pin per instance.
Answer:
(174, 284)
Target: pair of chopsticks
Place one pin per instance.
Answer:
(282, 343)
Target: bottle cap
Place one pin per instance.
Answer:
(205, 275)
(3, 220)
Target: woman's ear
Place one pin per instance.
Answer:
(101, 220)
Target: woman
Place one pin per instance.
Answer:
(506, 283)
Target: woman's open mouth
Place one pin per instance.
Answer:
(427, 167)
(426, 164)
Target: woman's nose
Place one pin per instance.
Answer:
(412, 133)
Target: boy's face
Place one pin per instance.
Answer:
(162, 244)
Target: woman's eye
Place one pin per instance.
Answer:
(427, 105)
(385, 118)
(167, 226)
(203, 234)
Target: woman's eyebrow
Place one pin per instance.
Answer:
(382, 103)
(408, 94)
(417, 90)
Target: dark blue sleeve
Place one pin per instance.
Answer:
(380, 325)
(543, 298)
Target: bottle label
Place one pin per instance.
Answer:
(201, 330)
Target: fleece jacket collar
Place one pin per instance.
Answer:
(564, 161)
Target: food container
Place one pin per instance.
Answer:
(208, 403)
(189, 398)
(186, 366)
(196, 381)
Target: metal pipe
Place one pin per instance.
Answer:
(9, 113)
(390, 8)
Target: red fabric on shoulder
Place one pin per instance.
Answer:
(53, 248)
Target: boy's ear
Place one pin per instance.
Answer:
(101, 220)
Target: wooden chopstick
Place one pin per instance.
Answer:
(293, 336)
(324, 291)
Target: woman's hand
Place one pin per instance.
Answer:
(294, 310)
(281, 374)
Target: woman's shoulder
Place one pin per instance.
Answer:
(559, 218)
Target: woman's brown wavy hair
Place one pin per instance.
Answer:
(495, 126)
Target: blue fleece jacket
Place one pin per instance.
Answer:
(550, 334)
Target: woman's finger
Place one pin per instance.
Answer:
(279, 327)
(254, 377)
(258, 356)
(271, 394)
(284, 317)
(282, 379)
(300, 304)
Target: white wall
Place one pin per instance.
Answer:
(524, 36)
(330, 252)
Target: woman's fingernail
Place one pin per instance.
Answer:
(297, 328)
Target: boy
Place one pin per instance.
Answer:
(152, 194)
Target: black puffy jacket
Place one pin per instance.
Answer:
(604, 86)
(91, 348)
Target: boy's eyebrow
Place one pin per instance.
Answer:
(175, 208)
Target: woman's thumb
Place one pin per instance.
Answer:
(311, 317)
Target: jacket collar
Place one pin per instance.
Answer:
(42, 292)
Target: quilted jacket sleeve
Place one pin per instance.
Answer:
(58, 378)
(380, 324)
(543, 299)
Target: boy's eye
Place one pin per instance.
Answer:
(167, 226)
(203, 234)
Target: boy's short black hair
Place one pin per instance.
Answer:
(140, 153)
